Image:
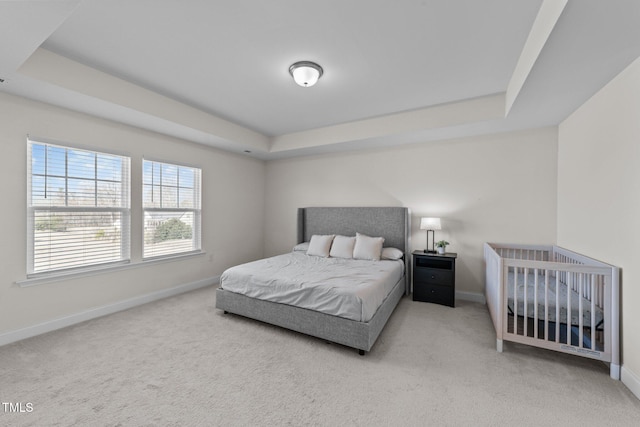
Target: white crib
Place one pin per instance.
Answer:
(550, 297)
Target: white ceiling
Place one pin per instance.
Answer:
(216, 72)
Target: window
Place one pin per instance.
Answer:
(78, 208)
(171, 204)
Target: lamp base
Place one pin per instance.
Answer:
(433, 241)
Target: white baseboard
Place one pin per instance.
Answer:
(631, 380)
(471, 296)
(62, 322)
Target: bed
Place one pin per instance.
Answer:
(325, 307)
(550, 297)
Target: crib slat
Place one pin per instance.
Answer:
(593, 312)
(525, 302)
(535, 303)
(546, 304)
(600, 292)
(580, 319)
(515, 300)
(569, 289)
(557, 307)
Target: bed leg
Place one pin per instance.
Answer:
(361, 352)
(614, 371)
(499, 345)
(226, 312)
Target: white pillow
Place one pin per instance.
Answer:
(301, 247)
(342, 247)
(320, 245)
(369, 248)
(391, 253)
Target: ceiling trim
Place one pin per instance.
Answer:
(440, 116)
(55, 69)
(545, 22)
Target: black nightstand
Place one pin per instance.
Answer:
(434, 278)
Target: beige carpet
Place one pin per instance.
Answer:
(181, 362)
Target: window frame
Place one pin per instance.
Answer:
(196, 211)
(124, 211)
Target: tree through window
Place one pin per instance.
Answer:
(171, 204)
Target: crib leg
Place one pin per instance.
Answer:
(614, 371)
(499, 345)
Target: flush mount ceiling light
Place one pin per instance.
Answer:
(305, 73)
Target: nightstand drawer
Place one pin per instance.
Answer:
(433, 276)
(434, 293)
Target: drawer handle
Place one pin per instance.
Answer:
(433, 277)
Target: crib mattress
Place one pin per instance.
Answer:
(560, 290)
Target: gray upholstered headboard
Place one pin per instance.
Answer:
(392, 223)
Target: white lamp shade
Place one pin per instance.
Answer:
(430, 224)
(305, 73)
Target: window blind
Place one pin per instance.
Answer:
(171, 204)
(78, 208)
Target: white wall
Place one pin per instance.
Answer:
(499, 188)
(233, 196)
(599, 195)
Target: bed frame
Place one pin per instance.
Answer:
(392, 223)
(593, 284)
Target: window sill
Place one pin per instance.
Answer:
(60, 277)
